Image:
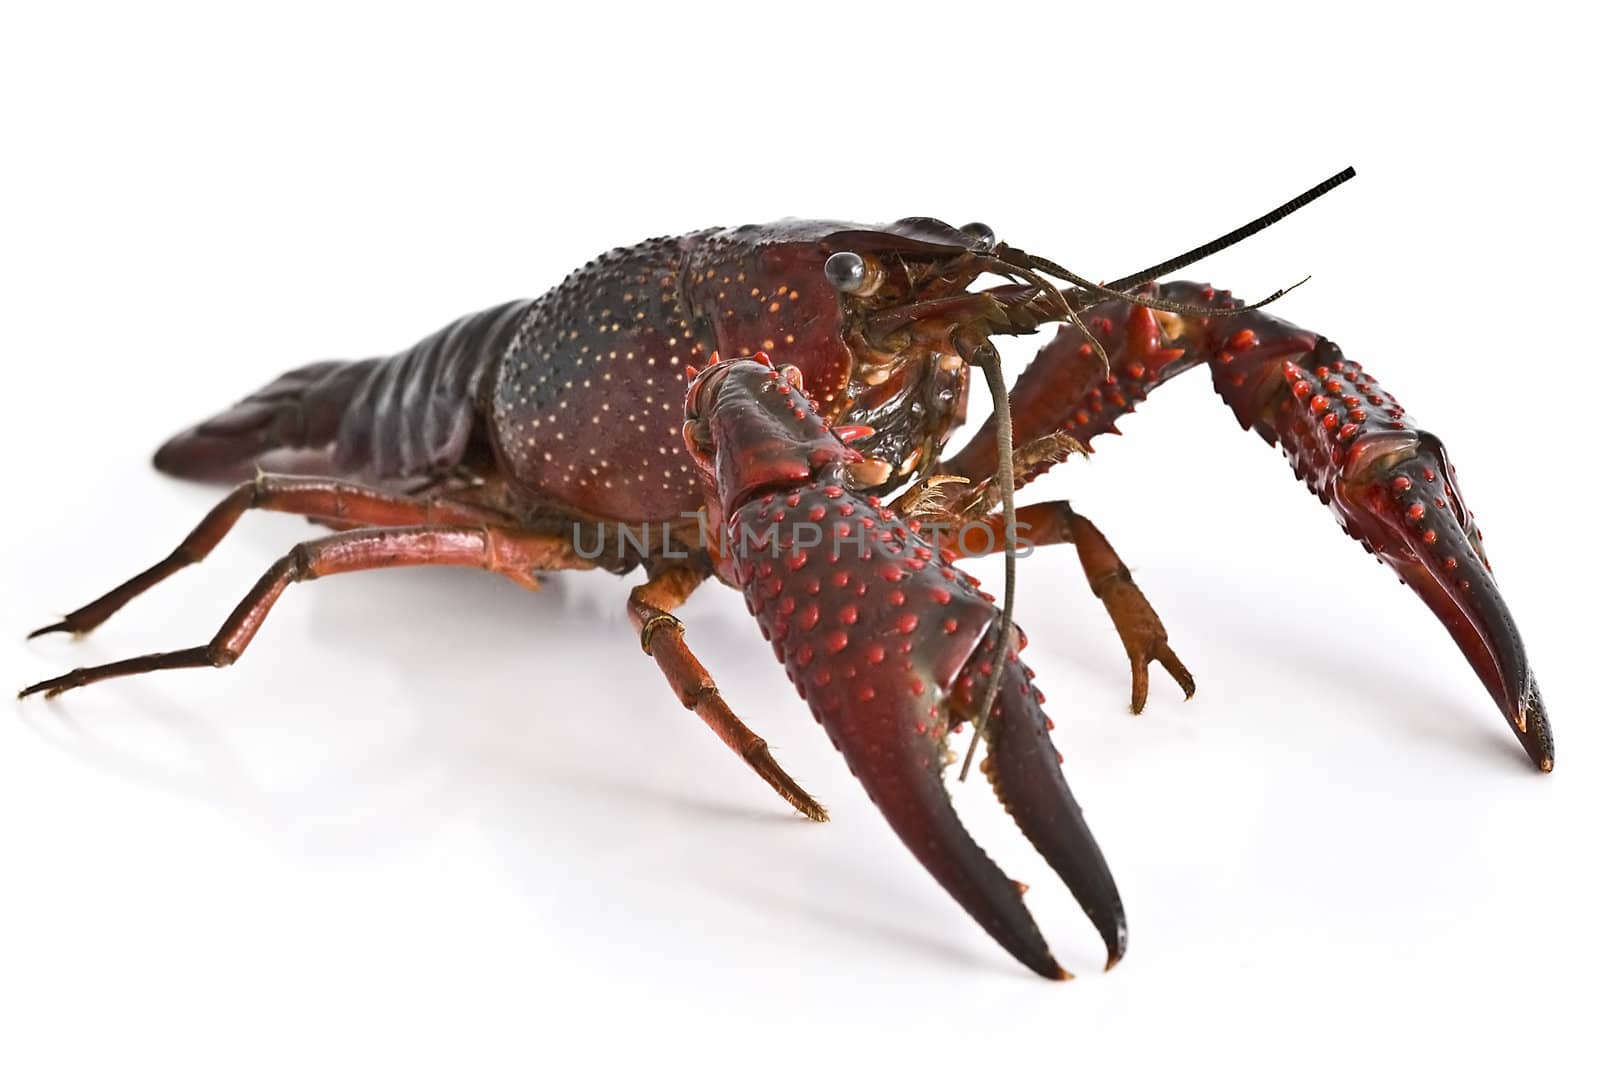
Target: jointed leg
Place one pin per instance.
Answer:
(517, 555)
(1143, 636)
(345, 504)
(650, 607)
(1048, 523)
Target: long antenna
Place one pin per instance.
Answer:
(990, 363)
(1216, 245)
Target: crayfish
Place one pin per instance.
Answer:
(771, 406)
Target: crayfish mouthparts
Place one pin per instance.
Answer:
(891, 646)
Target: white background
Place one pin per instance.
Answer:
(432, 820)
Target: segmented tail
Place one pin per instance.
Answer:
(380, 419)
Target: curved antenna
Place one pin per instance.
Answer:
(988, 358)
(1233, 237)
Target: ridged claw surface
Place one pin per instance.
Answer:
(1388, 481)
(889, 644)
(1391, 485)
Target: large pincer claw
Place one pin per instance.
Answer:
(1398, 494)
(1393, 488)
(1025, 769)
(892, 732)
(890, 645)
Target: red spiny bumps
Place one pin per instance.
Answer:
(855, 605)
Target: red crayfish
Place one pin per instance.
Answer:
(574, 432)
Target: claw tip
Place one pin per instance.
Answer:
(1116, 938)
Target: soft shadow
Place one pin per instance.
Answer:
(905, 939)
(503, 687)
(1392, 695)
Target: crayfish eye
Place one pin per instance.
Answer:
(982, 235)
(846, 272)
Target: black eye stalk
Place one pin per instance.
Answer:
(982, 235)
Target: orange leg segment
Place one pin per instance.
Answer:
(517, 555)
(342, 504)
(650, 607)
(1048, 523)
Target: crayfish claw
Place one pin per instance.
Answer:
(890, 645)
(905, 783)
(1399, 496)
(1537, 728)
(1391, 485)
(1025, 771)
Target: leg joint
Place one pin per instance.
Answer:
(659, 620)
(754, 749)
(702, 691)
(301, 563)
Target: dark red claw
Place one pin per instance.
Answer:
(1392, 487)
(1025, 770)
(884, 640)
(1388, 481)
(1398, 515)
(902, 774)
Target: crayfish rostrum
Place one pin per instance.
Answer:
(808, 467)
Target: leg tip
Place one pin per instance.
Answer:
(54, 686)
(59, 626)
(814, 811)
